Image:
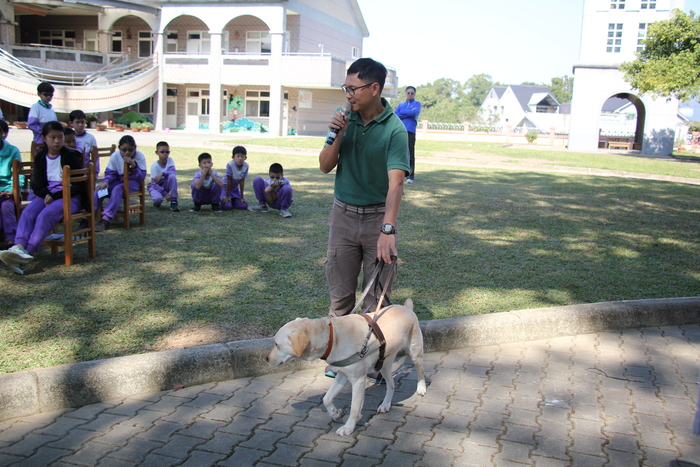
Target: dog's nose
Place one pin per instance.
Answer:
(267, 358)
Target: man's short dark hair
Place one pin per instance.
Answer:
(76, 115)
(410, 87)
(240, 150)
(369, 71)
(203, 156)
(44, 87)
(276, 168)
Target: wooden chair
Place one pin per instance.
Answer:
(70, 236)
(130, 209)
(105, 151)
(34, 149)
(20, 192)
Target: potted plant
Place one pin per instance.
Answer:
(119, 127)
(20, 125)
(101, 127)
(135, 126)
(91, 120)
(146, 126)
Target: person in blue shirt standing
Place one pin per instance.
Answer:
(408, 113)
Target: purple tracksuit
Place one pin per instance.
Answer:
(209, 193)
(38, 218)
(166, 184)
(114, 175)
(284, 193)
(8, 219)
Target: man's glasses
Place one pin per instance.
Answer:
(47, 94)
(352, 90)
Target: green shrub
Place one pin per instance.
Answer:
(531, 136)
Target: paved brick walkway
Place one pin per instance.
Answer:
(611, 398)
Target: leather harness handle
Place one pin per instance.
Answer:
(380, 337)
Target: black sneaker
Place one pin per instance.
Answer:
(102, 226)
(196, 208)
(216, 208)
(83, 224)
(174, 206)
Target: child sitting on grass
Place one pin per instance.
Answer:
(206, 187)
(163, 184)
(275, 191)
(8, 153)
(46, 210)
(114, 175)
(236, 173)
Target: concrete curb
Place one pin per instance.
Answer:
(73, 385)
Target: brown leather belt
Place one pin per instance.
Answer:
(361, 210)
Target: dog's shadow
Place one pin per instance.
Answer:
(404, 396)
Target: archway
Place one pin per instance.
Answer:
(622, 119)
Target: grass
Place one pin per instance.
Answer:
(472, 241)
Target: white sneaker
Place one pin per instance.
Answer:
(285, 213)
(17, 255)
(10, 259)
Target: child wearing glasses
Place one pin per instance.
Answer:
(41, 112)
(275, 192)
(236, 173)
(163, 184)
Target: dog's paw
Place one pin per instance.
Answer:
(345, 430)
(384, 408)
(421, 389)
(335, 414)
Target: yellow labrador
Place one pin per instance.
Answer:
(310, 339)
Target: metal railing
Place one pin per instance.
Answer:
(118, 70)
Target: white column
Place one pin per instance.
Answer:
(161, 96)
(215, 94)
(276, 100)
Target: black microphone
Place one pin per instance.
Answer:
(333, 133)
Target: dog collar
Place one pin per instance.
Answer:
(330, 342)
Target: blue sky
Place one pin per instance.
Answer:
(511, 40)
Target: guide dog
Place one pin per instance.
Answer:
(340, 342)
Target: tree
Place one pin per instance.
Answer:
(562, 88)
(668, 66)
(479, 87)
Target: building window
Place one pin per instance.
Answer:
(641, 35)
(171, 42)
(197, 102)
(117, 42)
(198, 42)
(90, 41)
(614, 37)
(146, 106)
(145, 44)
(257, 104)
(355, 52)
(648, 5)
(617, 4)
(258, 42)
(56, 38)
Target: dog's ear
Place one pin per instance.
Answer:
(299, 341)
(408, 304)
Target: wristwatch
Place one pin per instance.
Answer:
(388, 229)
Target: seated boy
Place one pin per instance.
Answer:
(276, 192)
(86, 143)
(163, 184)
(236, 173)
(206, 187)
(8, 153)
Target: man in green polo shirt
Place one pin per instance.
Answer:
(371, 158)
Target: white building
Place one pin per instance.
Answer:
(523, 106)
(184, 63)
(612, 32)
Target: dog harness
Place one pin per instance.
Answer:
(360, 354)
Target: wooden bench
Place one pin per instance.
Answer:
(619, 145)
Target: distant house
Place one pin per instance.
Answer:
(524, 106)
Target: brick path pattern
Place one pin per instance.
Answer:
(616, 398)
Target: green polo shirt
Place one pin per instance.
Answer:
(367, 153)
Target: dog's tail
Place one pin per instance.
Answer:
(408, 304)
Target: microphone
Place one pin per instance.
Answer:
(333, 133)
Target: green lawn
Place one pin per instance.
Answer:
(471, 241)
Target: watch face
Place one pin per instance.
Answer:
(387, 228)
